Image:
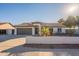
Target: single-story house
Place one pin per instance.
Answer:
(33, 28)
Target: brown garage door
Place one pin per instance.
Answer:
(24, 31)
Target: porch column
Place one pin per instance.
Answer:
(40, 30)
(33, 30)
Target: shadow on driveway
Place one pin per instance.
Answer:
(24, 51)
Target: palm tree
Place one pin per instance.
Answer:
(45, 31)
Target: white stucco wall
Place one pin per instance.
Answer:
(52, 40)
(9, 31)
(63, 30)
(39, 29)
(39, 25)
(33, 31)
(55, 30)
(15, 31)
(77, 31)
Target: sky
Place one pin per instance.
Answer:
(30, 12)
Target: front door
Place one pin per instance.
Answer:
(36, 31)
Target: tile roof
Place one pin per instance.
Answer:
(41, 23)
(6, 25)
(24, 25)
(53, 24)
(37, 22)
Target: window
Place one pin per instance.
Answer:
(59, 30)
(2, 31)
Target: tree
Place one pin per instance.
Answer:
(61, 21)
(70, 23)
(77, 20)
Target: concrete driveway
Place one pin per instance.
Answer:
(11, 43)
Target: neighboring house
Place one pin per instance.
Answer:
(6, 28)
(34, 28)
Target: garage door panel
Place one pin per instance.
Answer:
(24, 31)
